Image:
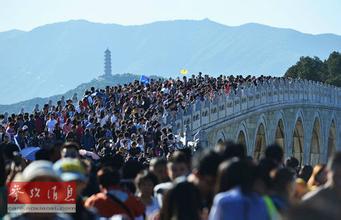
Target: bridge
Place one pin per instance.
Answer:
(302, 116)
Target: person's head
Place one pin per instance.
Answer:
(334, 171)
(236, 173)
(263, 181)
(293, 163)
(204, 167)
(284, 182)
(178, 165)
(319, 176)
(70, 149)
(108, 177)
(305, 173)
(181, 202)
(229, 149)
(145, 182)
(274, 152)
(158, 166)
(39, 171)
(70, 169)
(42, 154)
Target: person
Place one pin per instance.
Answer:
(275, 153)
(283, 189)
(178, 165)
(69, 170)
(20, 140)
(305, 173)
(293, 163)
(181, 202)
(3, 188)
(51, 123)
(38, 171)
(88, 141)
(204, 175)
(229, 149)
(158, 166)
(301, 181)
(145, 182)
(318, 177)
(3, 135)
(328, 197)
(112, 200)
(239, 201)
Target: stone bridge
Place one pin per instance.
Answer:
(303, 117)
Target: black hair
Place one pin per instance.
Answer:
(292, 162)
(42, 154)
(158, 161)
(235, 172)
(305, 172)
(264, 168)
(146, 175)
(181, 202)
(206, 162)
(231, 149)
(334, 161)
(282, 178)
(180, 157)
(274, 152)
(107, 177)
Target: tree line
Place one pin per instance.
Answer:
(313, 68)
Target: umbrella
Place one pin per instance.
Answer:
(29, 153)
(91, 154)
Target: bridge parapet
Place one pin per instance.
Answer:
(247, 98)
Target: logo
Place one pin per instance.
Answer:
(41, 197)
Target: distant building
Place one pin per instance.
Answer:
(107, 62)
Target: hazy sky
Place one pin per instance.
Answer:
(310, 16)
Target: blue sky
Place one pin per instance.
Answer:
(309, 16)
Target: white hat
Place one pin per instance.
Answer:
(39, 168)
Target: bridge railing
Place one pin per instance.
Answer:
(202, 114)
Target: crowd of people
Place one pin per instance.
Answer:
(129, 164)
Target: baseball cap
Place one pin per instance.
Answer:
(70, 169)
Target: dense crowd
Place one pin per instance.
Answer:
(129, 164)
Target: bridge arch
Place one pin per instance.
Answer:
(280, 131)
(332, 138)
(260, 140)
(315, 143)
(298, 137)
(220, 137)
(242, 136)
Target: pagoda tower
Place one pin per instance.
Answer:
(107, 62)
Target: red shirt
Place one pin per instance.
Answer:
(106, 207)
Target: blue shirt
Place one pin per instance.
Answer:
(233, 204)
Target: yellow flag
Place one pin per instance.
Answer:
(184, 71)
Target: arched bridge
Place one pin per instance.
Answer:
(302, 116)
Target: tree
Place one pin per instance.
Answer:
(334, 65)
(308, 68)
(336, 81)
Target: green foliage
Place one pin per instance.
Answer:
(328, 71)
(334, 64)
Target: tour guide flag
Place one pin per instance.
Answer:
(144, 79)
(183, 71)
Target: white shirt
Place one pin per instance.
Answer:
(50, 124)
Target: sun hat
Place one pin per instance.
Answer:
(70, 169)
